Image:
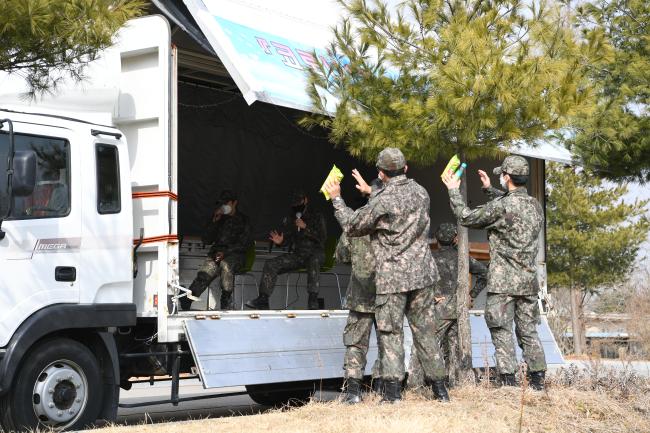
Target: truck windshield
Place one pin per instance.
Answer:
(51, 196)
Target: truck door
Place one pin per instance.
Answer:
(146, 114)
(39, 255)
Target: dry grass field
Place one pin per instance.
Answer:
(575, 401)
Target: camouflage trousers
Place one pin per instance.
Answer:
(447, 335)
(500, 311)
(356, 338)
(226, 269)
(417, 306)
(291, 262)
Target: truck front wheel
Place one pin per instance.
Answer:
(58, 386)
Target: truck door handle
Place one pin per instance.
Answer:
(65, 273)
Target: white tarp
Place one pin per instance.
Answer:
(267, 46)
(548, 150)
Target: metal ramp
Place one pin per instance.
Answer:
(483, 349)
(277, 347)
(250, 348)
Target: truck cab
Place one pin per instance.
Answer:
(66, 253)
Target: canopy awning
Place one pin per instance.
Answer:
(267, 47)
(548, 150)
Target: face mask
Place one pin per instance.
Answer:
(376, 185)
(502, 181)
(226, 209)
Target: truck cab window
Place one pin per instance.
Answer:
(108, 179)
(51, 195)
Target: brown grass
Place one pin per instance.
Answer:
(473, 409)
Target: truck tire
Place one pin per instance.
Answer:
(274, 395)
(58, 387)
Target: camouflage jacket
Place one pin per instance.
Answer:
(447, 263)
(360, 295)
(513, 221)
(230, 235)
(308, 241)
(397, 220)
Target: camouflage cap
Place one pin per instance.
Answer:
(391, 159)
(513, 164)
(446, 233)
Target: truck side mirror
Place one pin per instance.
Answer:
(23, 179)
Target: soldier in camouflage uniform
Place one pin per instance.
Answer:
(305, 233)
(513, 221)
(229, 233)
(397, 220)
(360, 301)
(446, 258)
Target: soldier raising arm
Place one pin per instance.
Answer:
(360, 301)
(513, 221)
(397, 221)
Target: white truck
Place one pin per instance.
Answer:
(78, 322)
(90, 259)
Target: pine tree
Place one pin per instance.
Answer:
(47, 41)
(592, 237)
(438, 77)
(614, 139)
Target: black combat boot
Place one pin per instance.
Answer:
(185, 303)
(508, 379)
(198, 286)
(259, 303)
(378, 385)
(438, 389)
(312, 303)
(392, 391)
(536, 380)
(227, 301)
(352, 394)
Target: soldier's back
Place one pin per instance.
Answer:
(446, 259)
(514, 245)
(523, 220)
(403, 256)
(361, 289)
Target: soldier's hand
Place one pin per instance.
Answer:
(218, 257)
(301, 224)
(485, 179)
(218, 213)
(362, 185)
(276, 238)
(438, 299)
(333, 188)
(451, 181)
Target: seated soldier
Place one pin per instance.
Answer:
(305, 231)
(229, 233)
